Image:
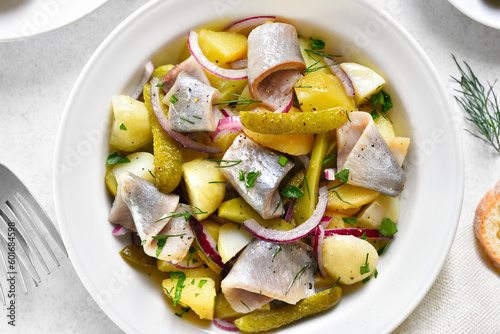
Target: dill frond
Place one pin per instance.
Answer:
(481, 105)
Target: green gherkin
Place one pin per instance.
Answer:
(264, 321)
(167, 152)
(135, 253)
(294, 123)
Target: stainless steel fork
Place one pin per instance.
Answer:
(21, 237)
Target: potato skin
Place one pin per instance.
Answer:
(344, 255)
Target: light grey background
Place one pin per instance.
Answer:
(36, 77)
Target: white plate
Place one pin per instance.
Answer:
(431, 202)
(24, 18)
(486, 12)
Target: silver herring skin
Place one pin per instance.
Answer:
(265, 271)
(275, 63)
(263, 195)
(363, 151)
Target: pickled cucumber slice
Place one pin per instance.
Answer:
(168, 156)
(264, 321)
(300, 123)
(135, 253)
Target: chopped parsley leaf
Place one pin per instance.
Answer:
(283, 160)
(343, 175)
(317, 44)
(123, 127)
(388, 227)
(115, 158)
(365, 269)
(349, 220)
(173, 99)
(292, 192)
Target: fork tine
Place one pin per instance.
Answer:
(23, 218)
(20, 251)
(33, 208)
(3, 252)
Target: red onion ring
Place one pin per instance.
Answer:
(148, 72)
(206, 242)
(194, 48)
(226, 112)
(120, 230)
(227, 325)
(289, 211)
(298, 232)
(184, 265)
(231, 123)
(319, 235)
(286, 105)
(330, 174)
(371, 233)
(162, 118)
(305, 160)
(249, 23)
(325, 221)
(339, 73)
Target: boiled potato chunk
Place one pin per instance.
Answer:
(198, 175)
(382, 207)
(399, 147)
(365, 80)
(232, 239)
(350, 258)
(141, 164)
(196, 272)
(130, 129)
(348, 197)
(326, 92)
(289, 144)
(385, 127)
(198, 294)
(222, 47)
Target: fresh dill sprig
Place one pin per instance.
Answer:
(480, 104)
(243, 101)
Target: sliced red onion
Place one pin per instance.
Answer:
(185, 266)
(289, 211)
(148, 71)
(227, 325)
(231, 123)
(298, 232)
(238, 64)
(120, 230)
(178, 137)
(227, 112)
(330, 174)
(207, 242)
(286, 105)
(325, 221)
(339, 73)
(194, 48)
(371, 233)
(250, 22)
(319, 235)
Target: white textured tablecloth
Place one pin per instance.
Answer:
(36, 77)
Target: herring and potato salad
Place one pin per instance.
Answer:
(259, 174)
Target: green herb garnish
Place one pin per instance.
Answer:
(251, 177)
(307, 186)
(364, 269)
(186, 215)
(115, 158)
(181, 277)
(328, 160)
(231, 162)
(243, 101)
(349, 220)
(292, 192)
(217, 182)
(343, 175)
(184, 310)
(160, 84)
(242, 175)
(317, 44)
(340, 198)
(245, 305)
(381, 103)
(123, 127)
(333, 287)
(276, 253)
(383, 249)
(481, 105)
(387, 228)
(202, 283)
(162, 240)
(173, 99)
(186, 120)
(297, 276)
(283, 160)
(150, 173)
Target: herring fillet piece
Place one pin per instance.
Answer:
(364, 152)
(263, 196)
(194, 110)
(147, 205)
(177, 246)
(265, 271)
(275, 63)
(191, 67)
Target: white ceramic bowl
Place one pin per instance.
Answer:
(486, 12)
(430, 205)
